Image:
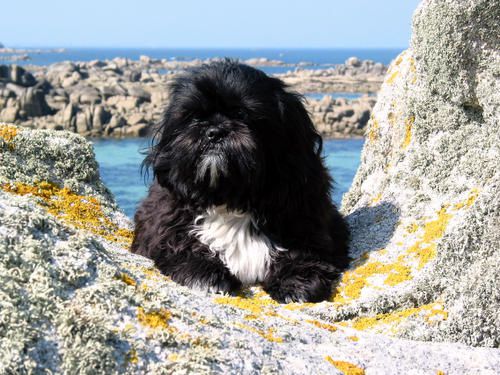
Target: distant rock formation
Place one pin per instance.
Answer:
(121, 98)
(341, 118)
(22, 95)
(424, 213)
(352, 76)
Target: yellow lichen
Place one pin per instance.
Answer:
(469, 201)
(268, 335)
(203, 320)
(328, 327)
(251, 317)
(399, 60)
(290, 320)
(198, 341)
(128, 328)
(299, 306)
(389, 321)
(353, 338)
(154, 319)
(408, 127)
(397, 274)
(127, 279)
(392, 77)
(413, 70)
(346, 368)
(354, 281)
(412, 228)
(255, 305)
(425, 249)
(436, 313)
(439, 372)
(132, 356)
(173, 357)
(374, 128)
(8, 133)
(259, 304)
(81, 212)
(399, 270)
(376, 198)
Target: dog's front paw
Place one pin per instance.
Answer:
(295, 289)
(211, 280)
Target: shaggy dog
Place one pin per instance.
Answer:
(240, 194)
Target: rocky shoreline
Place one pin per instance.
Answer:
(124, 98)
(23, 54)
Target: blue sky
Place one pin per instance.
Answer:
(208, 23)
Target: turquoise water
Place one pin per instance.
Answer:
(326, 56)
(336, 95)
(120, 162)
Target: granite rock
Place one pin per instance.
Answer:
(421, 295)
(75, 300)
(424, 205)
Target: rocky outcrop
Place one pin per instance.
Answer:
(74, 300)
(124, 98)
(421, 295)
(341, 118)
(424, 205)
(352, 76)
(21, 96)
(16, 75)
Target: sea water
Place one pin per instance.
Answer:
(318, 57)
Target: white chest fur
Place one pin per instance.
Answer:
(233, 237)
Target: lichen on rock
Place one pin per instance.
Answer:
(421, 295)
(434, 160)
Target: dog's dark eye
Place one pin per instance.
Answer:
(238, 113)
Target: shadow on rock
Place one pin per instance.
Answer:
(372, 228)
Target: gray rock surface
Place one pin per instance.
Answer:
(430, 180)
(17, 75)
(421, 296)
(74, 300)
(341, 118)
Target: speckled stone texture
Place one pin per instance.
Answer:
(421, 296)
(74, 300)
(426, 197)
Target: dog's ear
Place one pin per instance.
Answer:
(297, 124)
(299, 175)
(161, 135)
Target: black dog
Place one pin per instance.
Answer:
(241, 194)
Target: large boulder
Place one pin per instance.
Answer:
(17, 75)
(74, 300)
(424, 206)
(18, 83)
(32, 103)
(420, 297)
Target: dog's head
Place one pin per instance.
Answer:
(229, 134)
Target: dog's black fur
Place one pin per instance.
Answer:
(274, 171)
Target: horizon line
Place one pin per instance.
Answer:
(208, 48)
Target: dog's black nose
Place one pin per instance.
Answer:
(215, 133)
